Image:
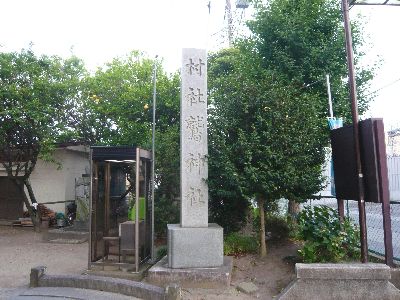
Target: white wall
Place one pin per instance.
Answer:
(394, 177)
(50, 184)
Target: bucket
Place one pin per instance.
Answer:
(60, 222)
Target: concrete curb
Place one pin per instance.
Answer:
(341, 282)
(395, 280)
(38, 278)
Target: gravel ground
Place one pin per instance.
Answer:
(22, 248)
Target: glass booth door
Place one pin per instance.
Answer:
(120, 229)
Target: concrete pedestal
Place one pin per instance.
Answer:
(208, 278)
(341, 282)
(195, 247)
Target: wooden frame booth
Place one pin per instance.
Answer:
(120, 218)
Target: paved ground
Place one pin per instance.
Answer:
(42, 293)
(22, 249)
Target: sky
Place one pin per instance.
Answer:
(381, 27)
(99, 30)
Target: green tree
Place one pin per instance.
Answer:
(269, 99)
(117, 110)
(303, 40)
(37, 96)
(116, 103)
(262, 137)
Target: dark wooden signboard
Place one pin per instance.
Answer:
(373, 161)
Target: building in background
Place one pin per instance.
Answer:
(51, 182)
(393, 142)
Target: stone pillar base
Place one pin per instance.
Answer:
(195, 247)
(341, 282)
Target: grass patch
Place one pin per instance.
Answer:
(236, 244)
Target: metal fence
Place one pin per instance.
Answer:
(373, 211)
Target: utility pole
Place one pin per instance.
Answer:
(328, 86)
(153, 257)
(354, 113)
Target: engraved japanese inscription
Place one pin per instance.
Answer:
(194, 66)
(195, 196)
(195, 96)
(195, 126)
(194, 168)
(196, 162)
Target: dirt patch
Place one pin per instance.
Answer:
(23, 248)
(270, 274)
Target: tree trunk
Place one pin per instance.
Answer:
(34, 215)
(293, 210)
(263, 247)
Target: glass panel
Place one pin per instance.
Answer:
(114, 216)
(145, 211)
(126, 224)
(98, 198)
(113, 191)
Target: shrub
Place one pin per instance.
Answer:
(277, 226)
(236, 244)
(227, 209)
(326, 238)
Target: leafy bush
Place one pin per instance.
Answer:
(326, 238)
(227, 208)
(235, 244)
(277, 226)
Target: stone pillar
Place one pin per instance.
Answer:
(194, 243)
(194, 168)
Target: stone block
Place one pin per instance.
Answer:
(395, 277)
(113, 285)
(247, 288)
(219, 277)
(195, 247)
(173, 292)
(360, 271)
(36, 274)
(341, 282)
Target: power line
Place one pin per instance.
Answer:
(385, 86)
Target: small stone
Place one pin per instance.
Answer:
(173, 292)
(247, 288)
